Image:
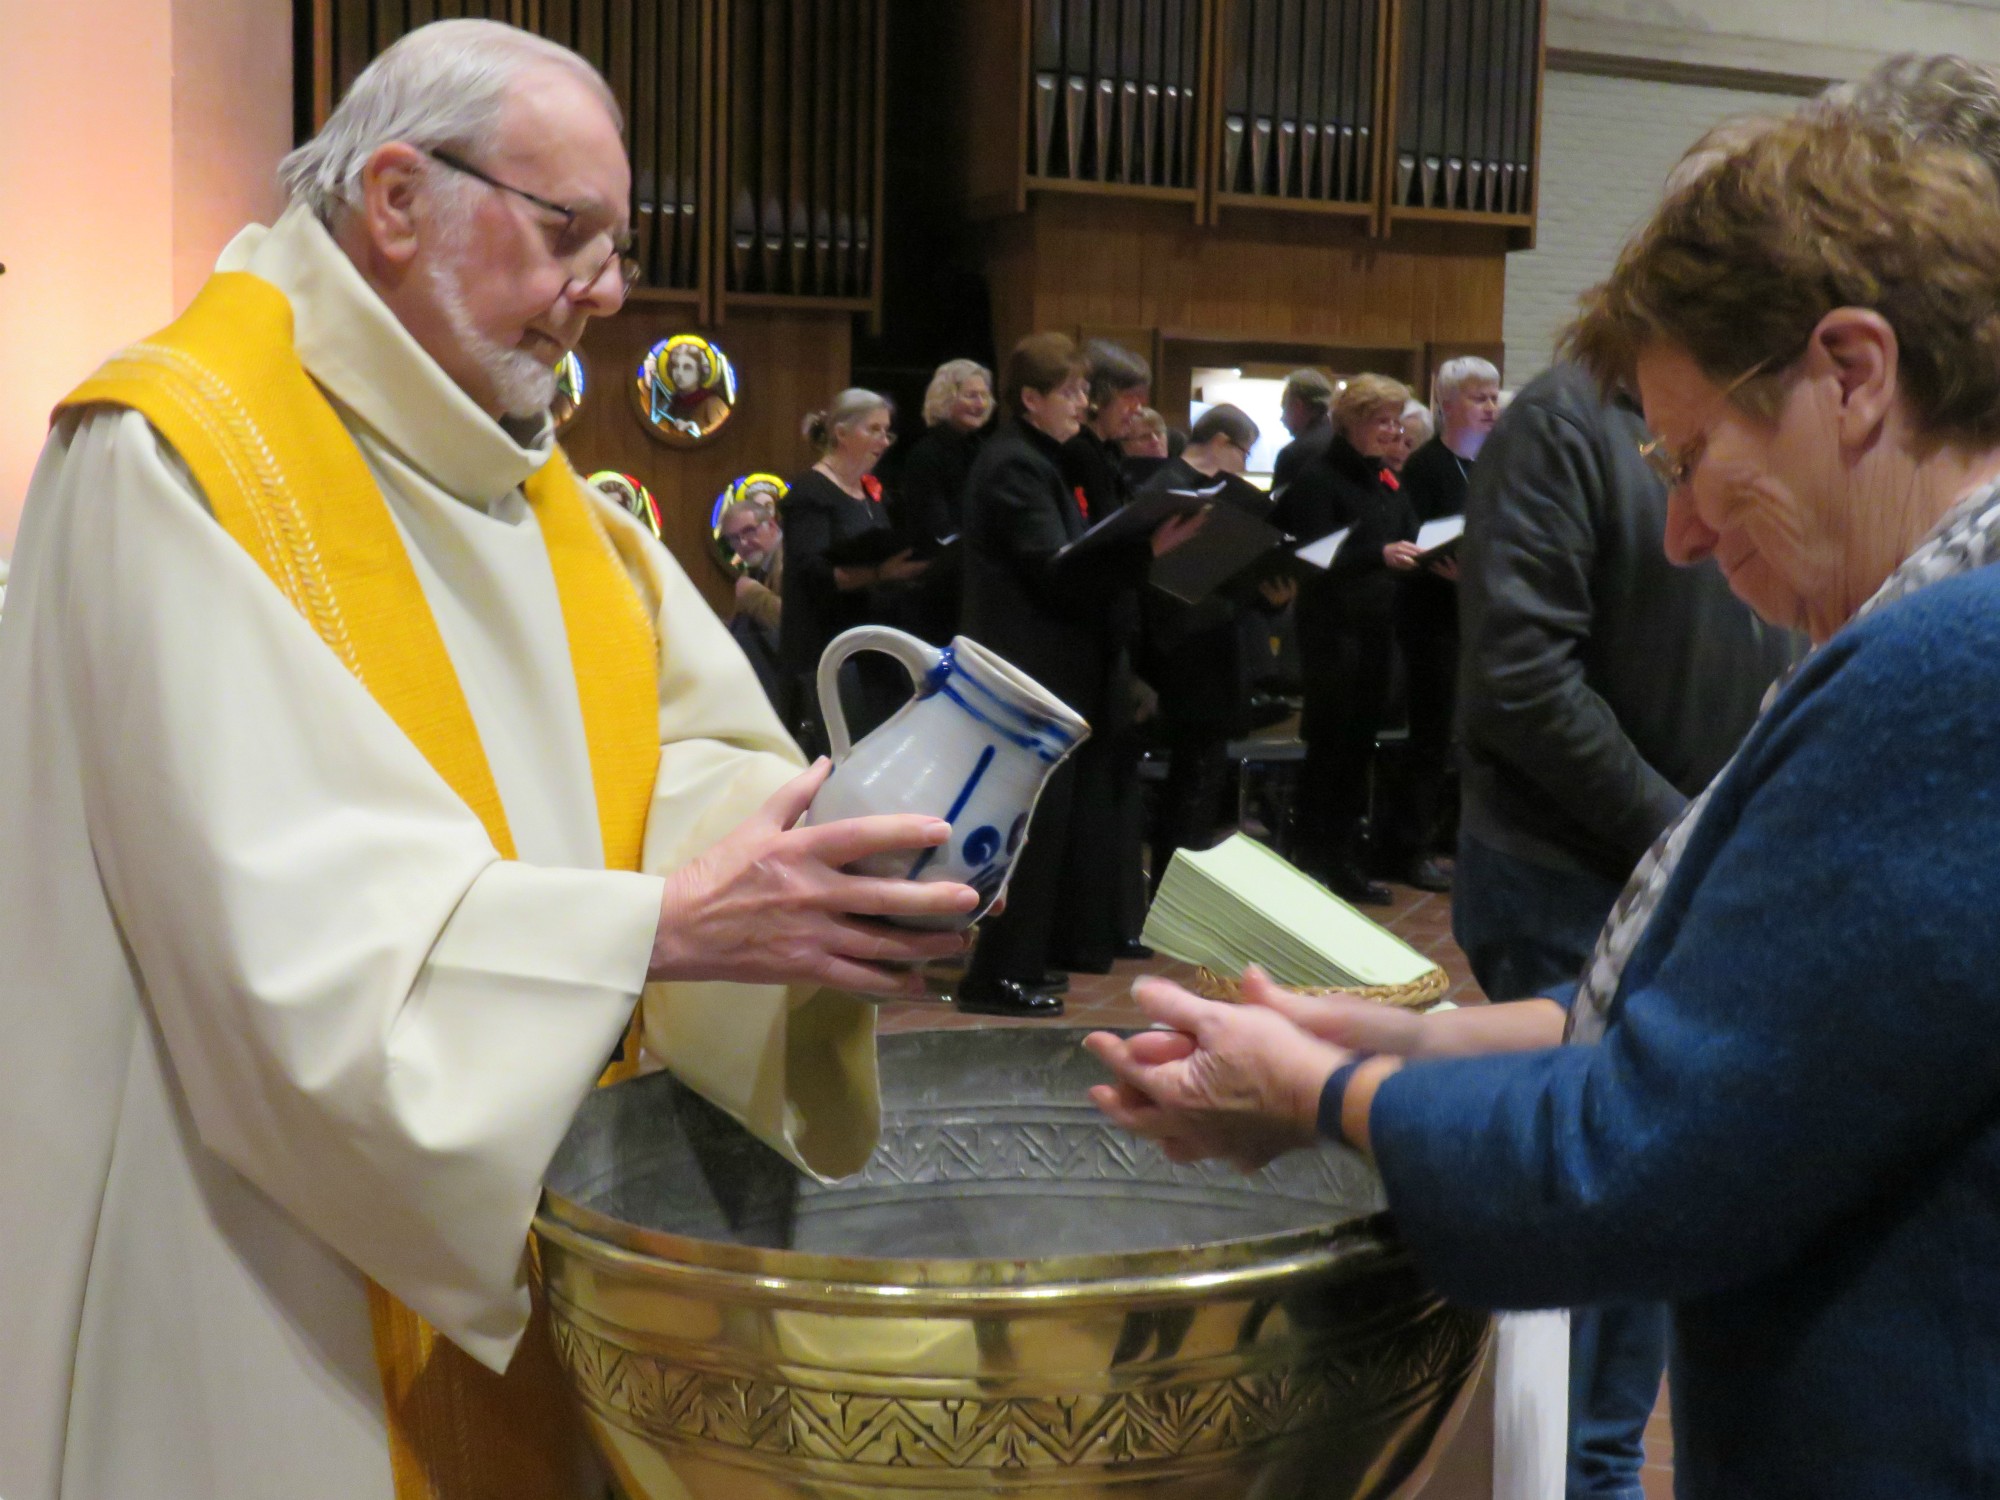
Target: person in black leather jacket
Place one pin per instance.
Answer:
(1346, 624)
(1599, 685)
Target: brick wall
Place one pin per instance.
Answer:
(1607, 146)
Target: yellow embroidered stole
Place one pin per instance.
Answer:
(224, 387)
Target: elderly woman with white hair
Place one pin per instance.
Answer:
(1781, 1111)
(1418, 428)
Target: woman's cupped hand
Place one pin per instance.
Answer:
(1238, 1082)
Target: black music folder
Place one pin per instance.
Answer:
(1139, 518)
(1228, 548)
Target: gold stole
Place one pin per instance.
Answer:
(224, 387)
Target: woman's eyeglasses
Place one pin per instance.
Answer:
(1676, 466)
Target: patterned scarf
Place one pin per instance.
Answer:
(1967, 538)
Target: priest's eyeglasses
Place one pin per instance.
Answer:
(585, 271)
(1676, 466)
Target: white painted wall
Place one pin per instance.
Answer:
(135, 137)
(1607, 146)
(1825, 38)
(1608, 143)
(86, 204)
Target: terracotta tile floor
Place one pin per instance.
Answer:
(1420, 919)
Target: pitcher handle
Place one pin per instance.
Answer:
(919, 659)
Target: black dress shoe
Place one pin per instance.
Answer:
(1052, 982)
(1006, 997)
(1131, 948)
(1428, 875)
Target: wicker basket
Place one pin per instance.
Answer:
(1420, 993)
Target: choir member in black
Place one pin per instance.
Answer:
(1117, 383)
(958, 408)
(1192, 649)
(831, 507)
(1435, 479)
(1055, 621)
(1417, 428)
(1148, 446)
(1148, 438)
(1306, 409)
(1109, 798)
(929, 493)
(1346, 624)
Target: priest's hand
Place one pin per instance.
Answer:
(1238, 1082)
(772, 904)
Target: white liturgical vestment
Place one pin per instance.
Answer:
(274, 1016)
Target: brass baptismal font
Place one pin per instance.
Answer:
(1014, 1298)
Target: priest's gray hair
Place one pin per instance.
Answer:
(1454, 375)
(441, 87)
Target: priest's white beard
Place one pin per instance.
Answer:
(523, 385)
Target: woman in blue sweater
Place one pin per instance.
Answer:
(1784, 1118)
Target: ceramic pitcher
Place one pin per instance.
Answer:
(974, 746)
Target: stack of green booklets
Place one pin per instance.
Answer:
(1239, 904)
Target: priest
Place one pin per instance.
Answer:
(359, 773)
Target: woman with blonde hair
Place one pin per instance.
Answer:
(929, 493)
(1346, 623)
(958, 414)
(1780, 1112)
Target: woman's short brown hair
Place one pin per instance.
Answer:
(1361, 396)
(1041, 362)
(1796, 218)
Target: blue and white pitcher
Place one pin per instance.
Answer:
(975, 746)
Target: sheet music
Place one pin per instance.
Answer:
(1434, 534)
(1320, 553)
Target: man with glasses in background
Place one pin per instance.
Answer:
(359, 772)
(750, 529)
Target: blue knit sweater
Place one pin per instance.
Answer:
(1791, 1131)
